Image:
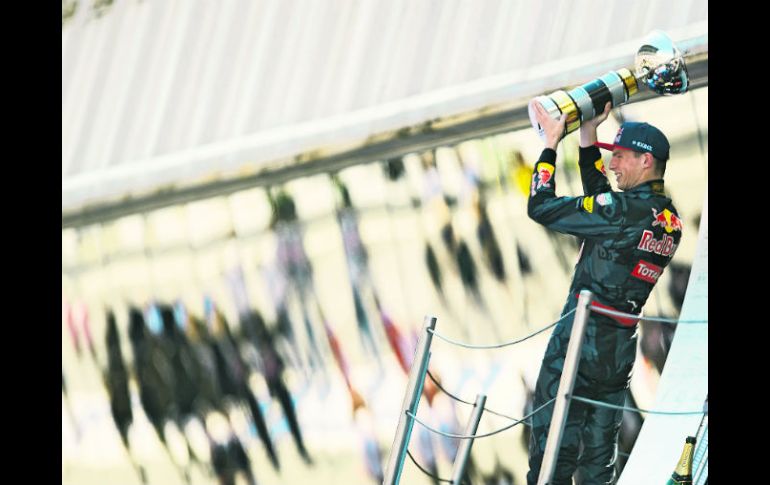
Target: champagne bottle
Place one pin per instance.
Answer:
(683, 473)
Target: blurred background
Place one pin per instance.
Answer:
(262, 200)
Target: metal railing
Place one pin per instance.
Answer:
(564, 395)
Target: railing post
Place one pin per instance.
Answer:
(464, 451)
(411, 400)
(567, 382)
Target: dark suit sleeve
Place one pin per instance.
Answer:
(590, 216)
(592, 171)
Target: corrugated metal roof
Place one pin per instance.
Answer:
(173, 78)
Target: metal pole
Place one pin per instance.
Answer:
(458, 469)
(567, 382)
(702, 457)
(411, 400)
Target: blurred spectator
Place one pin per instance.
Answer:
(254, 333)
(116, 382)
(358, 269)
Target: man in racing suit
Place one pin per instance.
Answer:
(628, 238)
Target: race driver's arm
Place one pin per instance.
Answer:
(588, 216)
(571, 215)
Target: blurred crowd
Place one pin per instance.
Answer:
(196, 373)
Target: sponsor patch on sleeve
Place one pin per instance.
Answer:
(647, 271)
(544, 173)
(604, 199)
(588, 204)
(599, 164)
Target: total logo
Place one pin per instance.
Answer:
(667, 220)
(647, 272)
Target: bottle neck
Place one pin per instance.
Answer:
(684, 466)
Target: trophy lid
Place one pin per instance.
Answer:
(660, 65)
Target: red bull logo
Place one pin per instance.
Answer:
(667, 220)
(620, 133)
(544, 174)
(599, 164)
(664, 246)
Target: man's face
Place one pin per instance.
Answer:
(628, 167)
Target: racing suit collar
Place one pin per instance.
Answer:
(654, 186)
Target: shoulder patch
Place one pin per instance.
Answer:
(588, 204)
(604, 199)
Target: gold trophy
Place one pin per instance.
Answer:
(659, 65)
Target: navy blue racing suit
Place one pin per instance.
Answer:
(628, 239)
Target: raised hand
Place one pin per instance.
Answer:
(588, 128)
(553, 129)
